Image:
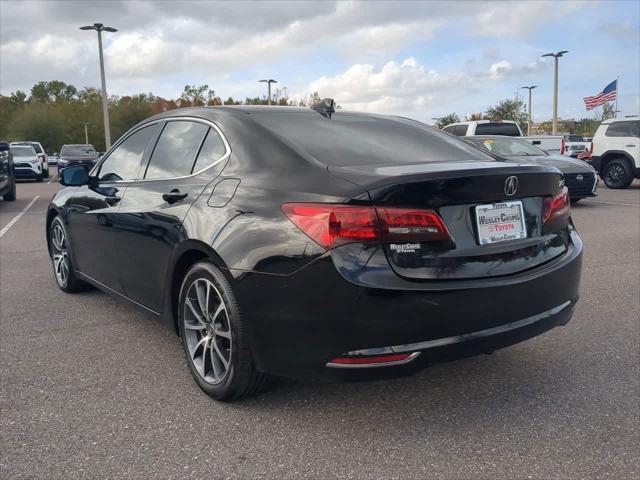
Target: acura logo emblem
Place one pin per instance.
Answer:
(511, 186)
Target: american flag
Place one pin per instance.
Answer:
(607, 95)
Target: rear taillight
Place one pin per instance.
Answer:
(591, 148)
(562, 147)
(331, 225)
(555, 208)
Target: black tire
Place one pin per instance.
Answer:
(10, 196)
(239, 378)
(575, 200)
(45, 173)
(69, 282)
(617, 173)
(39, 178)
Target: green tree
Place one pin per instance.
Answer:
(447, 120)
(509, 109)
(196, 96)
(41, 123)
(53, 91)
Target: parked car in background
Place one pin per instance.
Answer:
(37, 147)
(7, 174)
(73, 154)
(553, 144)
(579, 177)
(377, 247)
(52, 159)
(616, 152)
(575, 145)
(26, 162)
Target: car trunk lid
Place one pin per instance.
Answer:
(464, 195)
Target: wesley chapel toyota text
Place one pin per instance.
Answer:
(318, 244)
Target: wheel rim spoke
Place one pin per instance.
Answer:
(207, 331)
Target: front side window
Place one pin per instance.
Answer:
(123, 163)
(176, 150)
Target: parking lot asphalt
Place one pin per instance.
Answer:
(92, 388)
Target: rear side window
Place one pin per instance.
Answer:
(624, 129)
(176, 150)
(460, 130)
(507, 129)
(123, 163)
(457, 130)
(212, 150)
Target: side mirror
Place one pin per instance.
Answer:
(74, 176)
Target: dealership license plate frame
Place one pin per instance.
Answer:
(484, 235)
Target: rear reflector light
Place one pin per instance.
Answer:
(331, 225)
(554, 208)
(563, 147)
(400, 357)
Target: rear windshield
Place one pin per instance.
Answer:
(574, 138)
(78, 151)
(23, 151)
(351, 139)
(507, 129)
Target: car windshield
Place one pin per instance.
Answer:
(23, 151)
(35, 146)
(78, 151)
(509, 147)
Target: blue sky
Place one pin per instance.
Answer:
(419, 59)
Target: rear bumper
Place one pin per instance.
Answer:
(302, 321)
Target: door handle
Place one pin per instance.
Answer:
(630, 146)
(174, 196)
(111, 201)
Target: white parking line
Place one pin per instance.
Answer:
(6, 228)
(51, 179)
(614, 203)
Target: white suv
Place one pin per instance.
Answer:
(616, 152)
(37, 146)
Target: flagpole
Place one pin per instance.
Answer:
(615, 111)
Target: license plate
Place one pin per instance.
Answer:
(499, 222)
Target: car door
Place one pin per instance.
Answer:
(150, 218)
(90, 210)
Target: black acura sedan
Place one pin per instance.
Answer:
(317, 244)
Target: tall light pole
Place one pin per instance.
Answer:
(99, 27)
(529, 111)
(555, 56)
(86, 133)
(269, 82)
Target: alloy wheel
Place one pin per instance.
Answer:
(615, 174)
(207, 331)
(59, 254)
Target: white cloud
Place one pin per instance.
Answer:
(395, 88)
(498, 70)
